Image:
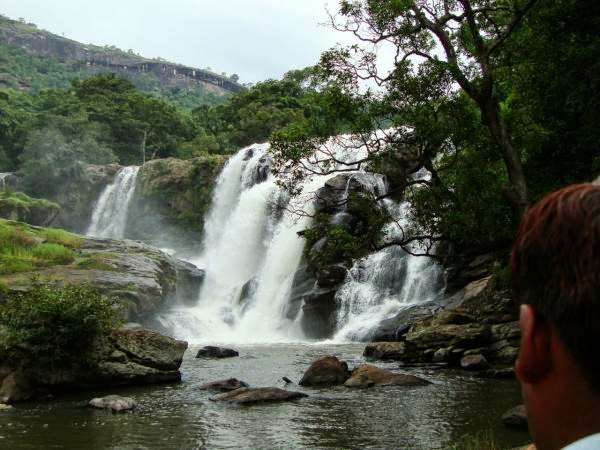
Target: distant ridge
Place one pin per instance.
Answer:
(170, 79)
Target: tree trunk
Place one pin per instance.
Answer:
(143, 147)
(517, 189)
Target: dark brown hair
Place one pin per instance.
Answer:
(555, 266)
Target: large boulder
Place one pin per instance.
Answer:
(367, 375)
(248, 396)
(127, 357)
(436, 336)
(327, 370)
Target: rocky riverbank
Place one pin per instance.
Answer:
(128, 357)
(477, 329)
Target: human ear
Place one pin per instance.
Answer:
(535, 356)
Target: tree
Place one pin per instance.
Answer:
(460, 38)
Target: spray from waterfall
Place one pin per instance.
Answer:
(109, 217)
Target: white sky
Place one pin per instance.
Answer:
(257, 39)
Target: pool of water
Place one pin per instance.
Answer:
(180, 416)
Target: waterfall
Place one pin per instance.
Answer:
(109, 217)
(3, 177)
(252, 250)
(384, 283)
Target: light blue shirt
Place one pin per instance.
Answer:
(591, 442)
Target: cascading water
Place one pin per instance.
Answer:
(252, 251)
(110, 213)
(3, 177)
(384, 283)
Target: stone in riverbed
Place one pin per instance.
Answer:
(4, 407)
(474, 362)
(248, 396)
(515, 417)
(367, 375)
(327, 370)
(385, 350)
(216, 352)
(115, 403)
(230, 384)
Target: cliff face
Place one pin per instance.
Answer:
(96, 59)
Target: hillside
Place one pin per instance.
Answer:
(32, 59)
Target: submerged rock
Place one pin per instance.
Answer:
(115, 403)
(367, 375)
(230, 384)
(210, 351)
(247, 396)
(327, 370)
(515, 417)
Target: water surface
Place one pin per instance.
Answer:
(180, 416)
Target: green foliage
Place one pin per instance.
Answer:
(346, 242)
(25, 248)
(55, 326)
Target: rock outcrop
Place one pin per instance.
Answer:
(20, 207)
(327, 370)
(142, 277)
(248, 396)
(127, 357)
(479, 328)
(171, 198)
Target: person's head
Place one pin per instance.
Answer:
(555, 267)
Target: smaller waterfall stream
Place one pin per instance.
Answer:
(384, 283)
(110, 213)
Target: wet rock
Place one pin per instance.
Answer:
(394, 328)
(428, 335)
(442, 355)
(139, 356)
(327, 370)
(385, 350)
(474, 362)
(126, 357)
(230, 384)
(248, 396)
(318, 319)
(505, 373)
(331, 275)
(16, 387)
(115, 403)
(210, 351)
(4, 407)
(515, 417)
(367, 375)
(286, 380)
(189, 281)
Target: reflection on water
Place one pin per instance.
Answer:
(180, 416)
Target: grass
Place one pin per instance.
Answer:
(24, 248)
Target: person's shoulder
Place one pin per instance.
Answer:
(591, 442)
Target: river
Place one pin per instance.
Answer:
(180, 416)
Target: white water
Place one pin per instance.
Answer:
(3, 177)
(248, 242)
(380, 285)
(110, 213)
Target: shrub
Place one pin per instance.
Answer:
(52, 326)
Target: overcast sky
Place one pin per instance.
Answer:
(257, 39)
